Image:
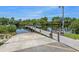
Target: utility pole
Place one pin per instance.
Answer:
(62, 18)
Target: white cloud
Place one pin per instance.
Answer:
(40, 12)
(29, 14)
(37, 12)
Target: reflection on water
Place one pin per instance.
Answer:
(49, 29)
(21, 30)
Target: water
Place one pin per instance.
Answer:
(23, 30)
(49, 29)
(18, 31)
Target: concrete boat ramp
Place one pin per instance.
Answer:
(33, 42)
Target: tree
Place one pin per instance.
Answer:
(56, 23)
(33, 21)
(4, 21)
(43, 21)
(12, 20)
(67, 22)
(75, 26)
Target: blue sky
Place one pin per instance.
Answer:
(29, 12)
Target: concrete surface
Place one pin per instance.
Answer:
(52, 47)
(33, 42)
(25, 40)
(68, 41)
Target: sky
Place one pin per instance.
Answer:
(31, 12)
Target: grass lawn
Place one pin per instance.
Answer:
(74, 36)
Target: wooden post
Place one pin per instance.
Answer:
(51, 34)
(40, 30)
(4, 36)
(58, 36)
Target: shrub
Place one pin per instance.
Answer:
(75, 26)
(3, 29)
(11, 28)
(7, 28)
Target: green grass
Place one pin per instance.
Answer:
(74, 36)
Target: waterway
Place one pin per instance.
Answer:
(22, 30)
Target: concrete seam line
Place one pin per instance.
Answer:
(59, 47)
(71, 47)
